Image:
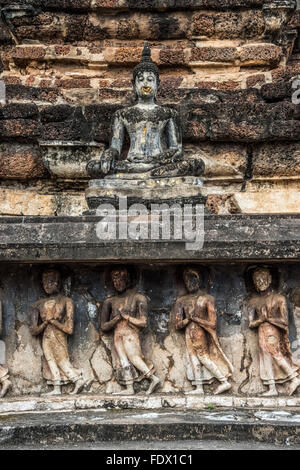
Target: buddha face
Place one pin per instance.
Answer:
(51, 282)
(120, 279)
(262, 279)
(146, 85)
(191, 280)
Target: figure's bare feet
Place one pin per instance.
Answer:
(153, 384)
(293, 386)
(127, 391)
(56, 391)
(5, 387)
(223, 387)
(197, 391)
(272, 392)
(79, 385)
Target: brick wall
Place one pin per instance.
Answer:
(227, 65)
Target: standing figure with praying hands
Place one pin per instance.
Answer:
(268, 314)
(196, 314)
(52, 317)
(126, 315)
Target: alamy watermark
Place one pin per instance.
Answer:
(2, 93)
(296, 93)
(160, 222)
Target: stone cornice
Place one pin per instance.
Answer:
(244, 238)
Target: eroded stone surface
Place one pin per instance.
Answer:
(274, 202)
(161, 343)
(227, 70)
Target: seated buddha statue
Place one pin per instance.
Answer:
(154, 132)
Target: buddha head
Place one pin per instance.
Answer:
(262, 279)
(146, 76)
(51, 281)
(120, 278)
(192, 280)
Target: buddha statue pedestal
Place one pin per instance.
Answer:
(177, 190)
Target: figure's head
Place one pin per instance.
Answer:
(51, 281)
(145, 84)
(120, 278)
(146, 75)
(262, 279)
(192, 280)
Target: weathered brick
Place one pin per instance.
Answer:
(295, 21)
(45, 27)
(121, 83)
(16, 202)
(260, 54)
(20, 128)
(241, 131)
(100, 116)
(214, 54)
(62, 50)
(171, 95)
(67, 27)
(125, 55)
(11, 80)
(172, 57)
(78, 5)
(30, 81)
(239, 25)
(109, 95)
(195, 131)
(20, 162)
(221, 204)
(74, 127)
(32, 94)
(285, 130)
(202, 25)
(58, 113)
(274, 202)
(175, 4)
(28, 52)
(276, 91)
(226, 85)
(170, 83)
(254, 80)
(73, 83)
(75, 27)
(19, 111)
(167, 25)
(276, 160)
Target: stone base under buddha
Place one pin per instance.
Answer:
(178, 190)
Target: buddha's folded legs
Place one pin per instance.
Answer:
(188, 167)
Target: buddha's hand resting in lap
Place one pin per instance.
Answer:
(100, 168)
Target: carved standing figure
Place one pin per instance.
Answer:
(295, 300)
(53, 318)
(4, 375)
(126, 314)
(196, 314)
(153, 130)
(269, 314)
